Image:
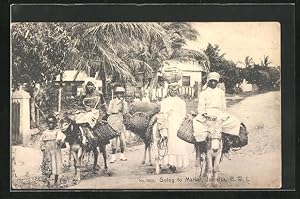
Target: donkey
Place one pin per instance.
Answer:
(209, 152)
(79, 146)
(154, 134)
(160, 140)
(214, 147)
(146, 113)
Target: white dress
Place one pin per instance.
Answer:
(177, 148)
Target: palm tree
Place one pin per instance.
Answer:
(265, 62)
(105, 46)
(248, 62)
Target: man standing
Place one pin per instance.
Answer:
(116, 109)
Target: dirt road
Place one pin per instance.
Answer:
(258, 165)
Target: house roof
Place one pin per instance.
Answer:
(69, 75)
(190, 66)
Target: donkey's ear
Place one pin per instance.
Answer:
(208, 136)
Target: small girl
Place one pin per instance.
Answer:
(52, 140)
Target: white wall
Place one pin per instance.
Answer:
(194, 77)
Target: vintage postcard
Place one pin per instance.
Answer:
(145, 105)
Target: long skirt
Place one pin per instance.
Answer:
(52, 159)
(177, 148)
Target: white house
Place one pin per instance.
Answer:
(72, 84)
(191, 71)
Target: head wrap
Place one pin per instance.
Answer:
(173, 86)
(213, 76)
(120, 89)
(51, 118)
(90, 79)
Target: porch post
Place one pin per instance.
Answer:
(22, 97)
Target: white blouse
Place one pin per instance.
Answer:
(210, 100)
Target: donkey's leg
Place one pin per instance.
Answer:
(155, 149)
(77, 170)
(209, 166)
(103, 149)
(203, 164)
(150, 158)
(197, 163)
(157, 167)
(217, 165)
(95, 152)
(145, 153)
(81, 155)
(70, 157)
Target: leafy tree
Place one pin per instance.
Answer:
(39, 52)
(230, 74)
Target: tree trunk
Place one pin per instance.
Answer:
(37, 117)
(59, 99)
(32, 112)
(60, 92)
(103, 78)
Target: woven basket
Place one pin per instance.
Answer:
(186, 131)
(116, 122)
(104, 132)
(139, 122)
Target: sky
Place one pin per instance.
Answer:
(240, 39)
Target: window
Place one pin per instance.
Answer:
(186, 80)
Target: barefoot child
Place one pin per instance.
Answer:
(51, 142)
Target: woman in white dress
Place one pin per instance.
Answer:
(175, 108)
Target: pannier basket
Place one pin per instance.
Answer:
(186, 131)
(105, 132)
(138, 122)
(243, 135)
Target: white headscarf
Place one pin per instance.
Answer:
(213, 76)
(90, 79)
(87, 80)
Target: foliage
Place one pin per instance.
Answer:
(261, 74)
(39, 51)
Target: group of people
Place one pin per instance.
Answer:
(96, 109)
(211, 102)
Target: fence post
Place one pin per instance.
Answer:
(22, 97)
(198, 88)
(196, 91)
(37, 116)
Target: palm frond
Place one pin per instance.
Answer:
(115, 62)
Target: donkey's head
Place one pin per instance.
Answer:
(214, 137)
(162, 125)
(69, 127)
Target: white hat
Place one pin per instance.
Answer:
(173, 86)
(213, 76)
(120, 89)
(90, 79)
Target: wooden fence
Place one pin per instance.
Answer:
(187, 91)
(15, 124)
